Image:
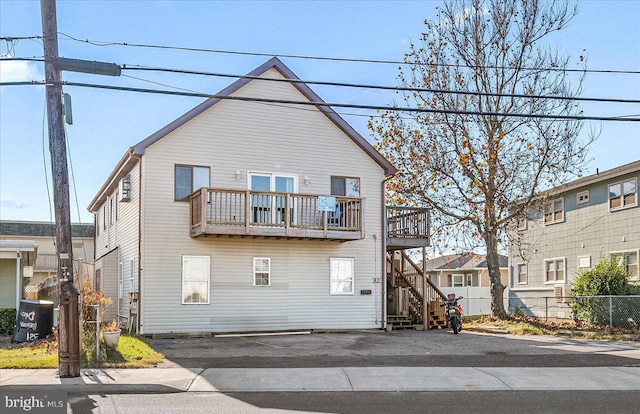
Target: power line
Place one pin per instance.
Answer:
(324, 58)
(382, 87)
(133, 67)
(338, 105)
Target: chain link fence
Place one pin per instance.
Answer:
(615, 311)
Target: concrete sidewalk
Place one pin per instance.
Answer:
(178, 379)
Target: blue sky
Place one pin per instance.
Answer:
(108, 122)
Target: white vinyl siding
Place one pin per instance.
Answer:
(239, 136)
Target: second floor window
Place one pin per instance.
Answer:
(188, 179)
(622, 195)
(554, 211)
(345, 186)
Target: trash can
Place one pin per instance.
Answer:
(35, 320)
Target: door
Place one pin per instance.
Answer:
(270, 208)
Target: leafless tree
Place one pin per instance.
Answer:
(479, 158)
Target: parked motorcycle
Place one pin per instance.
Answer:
(454, 312)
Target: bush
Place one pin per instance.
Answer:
(7, 321)
(90, 298)
(608, 278)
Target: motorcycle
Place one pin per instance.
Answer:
(454, 312)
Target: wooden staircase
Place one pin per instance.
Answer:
(423, 298)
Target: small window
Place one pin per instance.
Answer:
(345, 186)
(582, 197)
(522, 223)
(121, 281)
(124, 189)
(195, 279)
(554, 211)
(554, 270)
(342, 275)
(189, 179)
(261, 271)
(522, 274)
(623, 194)
(469, 280)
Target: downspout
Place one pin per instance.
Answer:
(384, 253)
(139, 304)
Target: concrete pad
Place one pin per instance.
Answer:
(567, 378)
(422, 379)
(272, 379)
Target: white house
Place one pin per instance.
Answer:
(245, 215)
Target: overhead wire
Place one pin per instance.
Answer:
(623, 118)
(321, 58)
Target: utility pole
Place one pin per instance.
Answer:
(68, 321)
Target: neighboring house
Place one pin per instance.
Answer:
(38, 238)
(249, 216)
(467, 275)
(580, 222)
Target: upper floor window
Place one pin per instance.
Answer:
(582, 197)
(554, 211)
(522, 223)
(345, 186)
(554, 270)
(188, 179)
(623, 194)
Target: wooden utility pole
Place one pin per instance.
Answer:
(68, 324)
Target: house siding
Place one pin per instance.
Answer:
(588, 229)
(121, 234)
(257, 137)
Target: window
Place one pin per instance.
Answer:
(554, 270)
(124, 189)
(554, 211)
(189, 179)
(133, 283)
(121, 281)
(630, 262)
(345, 186)
(623, 194)
(272, 209)
(522, 274)
(195, 279)
(342, 274)
(261, 271)
(522, 223)
(457, 280)
(469, 279)
(104, 216)
(582, 197)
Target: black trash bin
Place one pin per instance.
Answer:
(35, 320)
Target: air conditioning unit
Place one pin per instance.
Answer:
(561, 293)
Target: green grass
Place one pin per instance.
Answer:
(131, 352)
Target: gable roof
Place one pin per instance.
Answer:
(595, 178)
(277, 64)
(467, 261)
(137, 151)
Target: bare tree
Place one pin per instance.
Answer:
(470, 156)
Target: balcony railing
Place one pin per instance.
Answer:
(407, 227)
(273, 214)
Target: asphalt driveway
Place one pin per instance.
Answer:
(398, 348)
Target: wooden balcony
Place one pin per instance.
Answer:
(407, 227)
(247, 213)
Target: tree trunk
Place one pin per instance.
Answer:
(497, 288)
